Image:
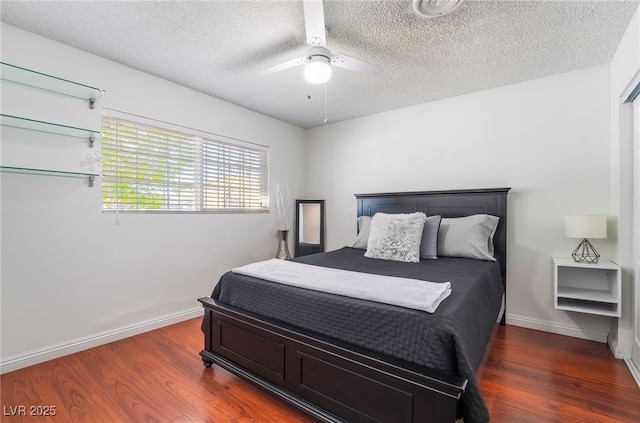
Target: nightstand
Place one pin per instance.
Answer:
(587, 288)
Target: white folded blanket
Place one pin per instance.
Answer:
(403, 292)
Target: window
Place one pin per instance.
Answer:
(158, 168)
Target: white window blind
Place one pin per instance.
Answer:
(153, 168)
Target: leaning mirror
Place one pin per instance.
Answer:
(309, 227)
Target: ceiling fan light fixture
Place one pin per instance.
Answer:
(318, 69)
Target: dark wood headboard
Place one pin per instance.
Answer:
(455, 203)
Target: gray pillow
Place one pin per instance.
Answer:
(364, 225)
(396, 236)
(470, 236)
(429, 244)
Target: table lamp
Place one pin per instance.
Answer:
(585, 227)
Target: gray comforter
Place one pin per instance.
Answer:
(451, 340)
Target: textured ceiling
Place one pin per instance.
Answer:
(219, 47)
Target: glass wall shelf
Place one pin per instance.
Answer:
(30, 171)
(48, 127)
(46, 82)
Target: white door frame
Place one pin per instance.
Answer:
(634, 364)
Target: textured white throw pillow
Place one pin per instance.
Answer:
(470, 236)
(396, 236)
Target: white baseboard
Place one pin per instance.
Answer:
(613, 346)
(553, 327)
(60, 350)
(634, 369)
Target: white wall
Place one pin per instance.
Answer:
(547, 139)
(71, 277)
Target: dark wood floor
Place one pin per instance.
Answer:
(529, 376)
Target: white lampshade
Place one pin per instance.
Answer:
(585, 226)
(318, 70)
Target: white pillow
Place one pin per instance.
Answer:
(470, 236)
(364, 226)
(396, 236)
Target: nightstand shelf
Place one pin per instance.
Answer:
(587, 288)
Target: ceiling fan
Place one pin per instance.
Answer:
(318, 60)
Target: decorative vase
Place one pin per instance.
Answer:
(283, 246)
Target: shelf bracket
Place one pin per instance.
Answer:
(91, 179)
(91, 141)
(92, 103)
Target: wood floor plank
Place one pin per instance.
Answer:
(534, 376)
(32, 388)
(529, 376)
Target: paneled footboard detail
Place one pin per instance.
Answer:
(357, 396)
(330, 382)
(253, 351)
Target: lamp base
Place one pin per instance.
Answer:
(585, 253)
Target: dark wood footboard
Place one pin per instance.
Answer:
(328, 381)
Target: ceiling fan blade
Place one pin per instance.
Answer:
(343, 61)
(314, 22)
(284, 65)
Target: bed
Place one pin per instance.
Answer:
(387, 363)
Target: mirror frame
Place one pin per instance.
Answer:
(301, 249)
